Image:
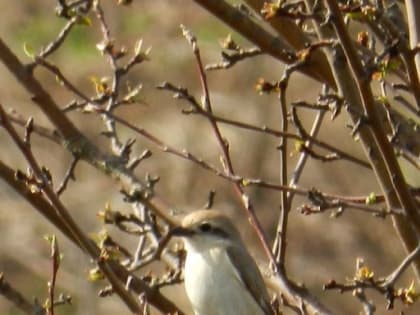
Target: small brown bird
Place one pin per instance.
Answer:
(221, 278)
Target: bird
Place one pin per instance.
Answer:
(221, 277)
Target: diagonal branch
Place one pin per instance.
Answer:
(267, 42)
(76, 142)
(368, 102)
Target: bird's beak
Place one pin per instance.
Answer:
(178, 231)
(181, 231)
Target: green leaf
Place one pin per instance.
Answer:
(29, 50)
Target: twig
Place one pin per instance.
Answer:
(109, 50)
(280, 250)
(55, 260)
(230, 59)
(304, 155)
(69, 175)
(267, 42)
(281, 232)
(228, 166)
(70, 86)
(408, 57)
(84, 242)
(77, 143)
(59, 40)
(356, 202)
(394, 173)
(348, 201)
(183, 94)
(18, 299)
(368, 307)
(49, 212)
(47, 133)
(390, 280)
(210, 199)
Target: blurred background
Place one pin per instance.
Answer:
(320, 248)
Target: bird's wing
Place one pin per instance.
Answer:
(250, 276)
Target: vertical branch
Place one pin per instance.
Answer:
(206, 100)
(280, 242)
(407, 53)
(363, 83)
(413, 16)
(228, 166)
(284, 211)
(108, 44)
(304, 155)
(55, 260)
(69, 175)
(348, 86)
(348, 89)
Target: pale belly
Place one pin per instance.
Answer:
(213, 288)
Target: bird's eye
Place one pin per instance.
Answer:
(205, 227)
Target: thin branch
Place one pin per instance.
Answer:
(59, 40)
(63, 79)
(280, 250)
(224, 145)
(362, 81)
(76, 142)
(46, 209)
(18, 299)
(357, 202)
(390, 280)
(182, 93)
(55, 262)
(304, 154)
(408, 57)
(69, 175)
(40, 95)
(110, 51)
(231, 59)
(81, 238)
(348, 89)
(47, 133)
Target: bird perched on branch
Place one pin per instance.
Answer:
(221, 277)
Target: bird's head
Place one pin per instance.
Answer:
(205, 229)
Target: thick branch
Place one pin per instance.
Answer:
(272, 45)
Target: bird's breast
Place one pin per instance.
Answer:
(214, 287)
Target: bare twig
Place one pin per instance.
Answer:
(69, 175)
(81, 238)
(182, 93)
(230, 59)
(210, 199)
(59, 40)
(267, 42)
(390, 280)
(18, 299)
(391, 178)
(280, 249)
(55, 259)
(224, 145)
